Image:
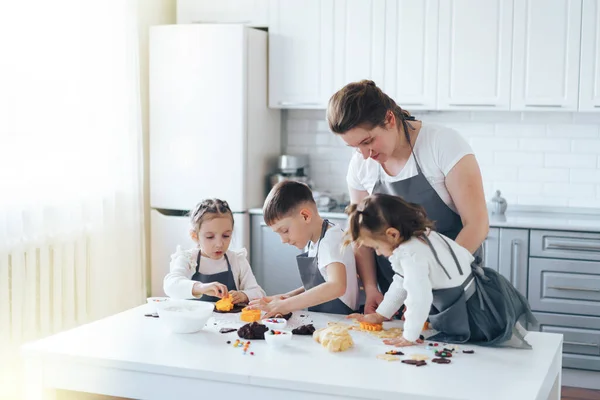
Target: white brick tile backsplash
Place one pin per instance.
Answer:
(542, 201)
(510, 158)
(569, 160)
(297, 125)
(535, 174)
(302, 139)
(469, 130)
(585, 146)
(534, 158)
(544, 144)
(585, 175)
(495, 116)
(493, 144)
(576, 190)
(545, 117)
(520, 130)
(586, 118)
(573, 131)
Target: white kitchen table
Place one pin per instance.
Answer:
(133, 356)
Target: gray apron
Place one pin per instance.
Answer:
(488, 318)
(417, 190)
(225, 277)
(311, 277)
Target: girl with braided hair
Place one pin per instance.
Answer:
(435, 278)
(210, 270)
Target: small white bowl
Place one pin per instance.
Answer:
(275, 324)
(184, 316)
(280, 340)
(153, 300)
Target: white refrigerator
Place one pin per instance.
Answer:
(211, 132)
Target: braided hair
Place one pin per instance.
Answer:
(209, 209)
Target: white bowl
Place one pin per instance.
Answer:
(275, 324)
(283, 339)
(184, 316)
(153, 300)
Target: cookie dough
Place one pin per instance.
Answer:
(334, 338)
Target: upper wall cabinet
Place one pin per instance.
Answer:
(546, 55)
(248, 12)
(475, 42)
(300, 53)
(589, 85)
(411, 52)
(358, 42)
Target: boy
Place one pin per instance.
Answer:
(327, 269)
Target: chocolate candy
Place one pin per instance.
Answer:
(441, 361)
(304, 330)
(227, 330)
(468, 351)
(417, 363)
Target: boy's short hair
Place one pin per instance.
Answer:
(284, 198)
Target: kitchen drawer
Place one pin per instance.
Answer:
(581, 338)
(564, 286)
(570, 245)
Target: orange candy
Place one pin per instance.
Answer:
(250, 315)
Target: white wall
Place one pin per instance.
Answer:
(150, 12)
(535, 158)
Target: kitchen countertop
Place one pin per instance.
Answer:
(563, 220)
(129, 355)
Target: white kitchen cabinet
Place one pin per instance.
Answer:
(411, 53)
(589, 84)
(300, 53)
(359, 41)
(248, 12)
(474, 66)
(546, 55)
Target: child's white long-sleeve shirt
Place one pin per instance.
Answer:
(178, 284)
(417, 273)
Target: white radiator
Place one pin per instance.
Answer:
(44, 287)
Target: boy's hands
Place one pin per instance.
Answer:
(271, 305)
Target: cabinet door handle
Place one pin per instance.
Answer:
(471, 105)
(580, 244)
(299, 103)
(576, 289)
(595, 345)
(208, 21)
(544, 105)
(514, 261)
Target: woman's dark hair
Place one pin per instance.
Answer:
(363, 104)
(378, 212)
(209, 209)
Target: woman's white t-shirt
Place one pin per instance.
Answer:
(437, 149)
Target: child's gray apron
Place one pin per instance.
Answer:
(311, 277)
(459, 317)
(417, 190)
(225, 277)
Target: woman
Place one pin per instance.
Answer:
(424, 163)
